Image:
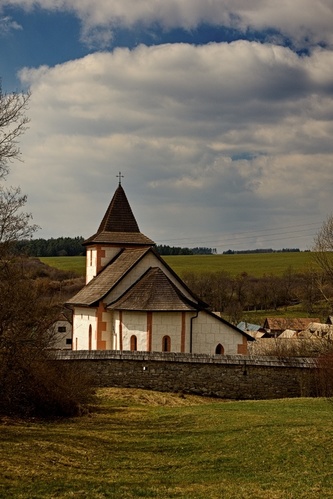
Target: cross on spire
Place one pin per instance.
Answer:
(120, 176)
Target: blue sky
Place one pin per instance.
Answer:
(218, 113)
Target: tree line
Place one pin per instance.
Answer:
(164, 249)
(73, 246)
(60, 246)
(260, 250)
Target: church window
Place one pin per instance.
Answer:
(219, 350)
(134, 343)
(166, 344)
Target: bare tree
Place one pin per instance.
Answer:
(323, 247)
(31, 382)
(14, 224)
(13, 122)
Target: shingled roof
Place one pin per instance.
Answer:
(282, 323)
(153, 292)
(100, 286)
(118, 224)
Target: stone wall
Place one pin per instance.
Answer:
(232, 377)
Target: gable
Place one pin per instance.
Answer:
(101, 285)
(153, 292)
(151, 259)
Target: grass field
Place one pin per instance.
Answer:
(146, 444)
(254, 264)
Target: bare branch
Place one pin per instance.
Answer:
(13, 123)
(15, 224)
(323, 247)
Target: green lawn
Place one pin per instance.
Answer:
(145, 444)
(254, 264)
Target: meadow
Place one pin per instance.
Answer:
(137, 443)
(254, 264)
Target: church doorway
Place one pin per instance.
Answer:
(166, 344)
(219, 350)
(134, 343)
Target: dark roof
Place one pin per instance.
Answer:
(119, 216)
(100, 286)
(120, 238)
(119, 225)
(153, 292)
(282, 323)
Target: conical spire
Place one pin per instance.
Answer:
(119, 216)
(118, 225)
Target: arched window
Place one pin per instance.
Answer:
(90, 338)
(219, 350)
(166, 344)
(134, 343)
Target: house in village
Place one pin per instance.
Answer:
(275, 326)
(61, 332)
(133, 300)
(255, 330)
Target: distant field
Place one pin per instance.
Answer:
(254, 264)
(140, 444)
(72, 263)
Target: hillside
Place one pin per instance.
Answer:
(253, 264)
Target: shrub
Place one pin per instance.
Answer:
(31, 383)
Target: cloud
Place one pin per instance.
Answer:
(7, 25)
(211, 139)
(304, 22)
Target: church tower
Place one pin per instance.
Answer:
(118, 229)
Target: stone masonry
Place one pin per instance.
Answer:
(235, 377)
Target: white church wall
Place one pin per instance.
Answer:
(107, 333)
(91, 260)
(83, 318)
(91, 264)
(135, 323)
(208, 332)
(110, 252)
(166, 324)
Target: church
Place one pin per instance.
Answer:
(133, 300)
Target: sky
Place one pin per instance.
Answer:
(218, 114)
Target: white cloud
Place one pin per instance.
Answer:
(211, 139)
(306, 22)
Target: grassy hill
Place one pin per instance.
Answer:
(147, 444)
(254, 264)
